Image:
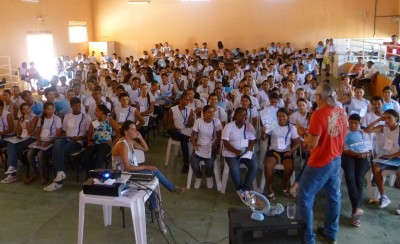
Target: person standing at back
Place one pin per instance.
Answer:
(325, 137)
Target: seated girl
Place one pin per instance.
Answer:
(25, 129)
(99, 138)
(208, 132)
(284, 141)
(48, 129)
(239, 138)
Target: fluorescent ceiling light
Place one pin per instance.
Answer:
(31, 1)
(195, 0)
(138, 1)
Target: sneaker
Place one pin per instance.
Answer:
(197, 183)
(53, 186)
(10, 170)
(398, 210)
(384, 201)
(60, 176)
(9, 179)
(324, 237)
(210, 182)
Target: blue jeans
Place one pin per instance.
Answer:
(393, 59)
(311, 182)
(195, 162)
(42, 160)
(234, 169)
(16, 149)
(354, 172)
(163, 181)
(61, 148)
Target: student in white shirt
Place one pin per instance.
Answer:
(219, 112)
(292, 107)
(25, 129)
(97, 99)
(262, 96)
(126, 112)
(180, 122)
(204, 89)
(205, 139)
(239, 138)
(388, 102)
(207, 68)
(145, 105)
(358, 104)
(9, 105)
(75, 126)
(194, 104)
(252, 112)
(389, 149)
(133, 90)
(48, 129)
(284, 141)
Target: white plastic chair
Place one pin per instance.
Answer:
(217, 173)
(171, 143)
(385, 173)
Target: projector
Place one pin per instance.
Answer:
(104, 174)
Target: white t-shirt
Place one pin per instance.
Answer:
(237, 137)
(4, 121)
(206, 134)
(281, 137)
(49, 128)
(133, 95)
(76, 125)
(124, 114)
(358, 106)
(297, 117)
(144, 103)
(181, 118)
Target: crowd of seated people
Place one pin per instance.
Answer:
(216, 102)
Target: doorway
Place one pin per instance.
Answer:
(41, 51)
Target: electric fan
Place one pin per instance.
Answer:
(260, 205)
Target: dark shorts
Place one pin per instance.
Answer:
(278, 155)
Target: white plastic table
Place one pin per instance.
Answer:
(135, 202)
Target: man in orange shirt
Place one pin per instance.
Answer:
(392, 52)
(325, 137)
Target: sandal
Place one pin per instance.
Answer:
(30, 180)
(356, 223)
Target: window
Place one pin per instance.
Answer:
(77, 31)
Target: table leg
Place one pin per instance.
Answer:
(81, 221)
(107, 215)
(139, 221)
(160, 211)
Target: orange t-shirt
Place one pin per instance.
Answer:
(329, 123)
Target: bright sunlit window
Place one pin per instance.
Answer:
(77, 31)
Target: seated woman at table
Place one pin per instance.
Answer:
(124, 158)
(283, 141)
(48, 129)
(25, 129)
(388, 149)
